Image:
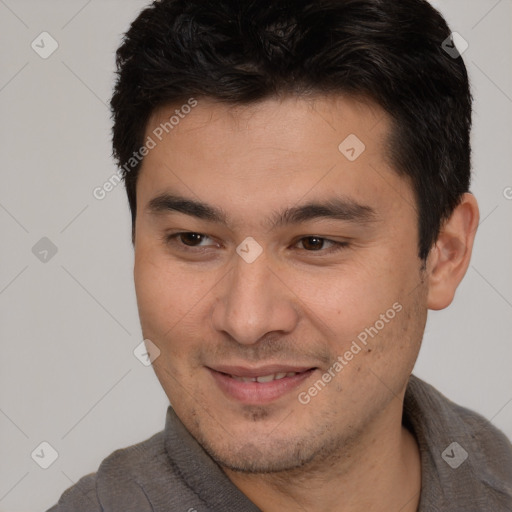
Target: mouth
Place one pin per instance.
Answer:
(256, 386)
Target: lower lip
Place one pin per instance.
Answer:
(257, 393)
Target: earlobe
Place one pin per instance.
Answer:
(449, 259)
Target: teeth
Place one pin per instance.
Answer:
(264, 378)
(244, 379)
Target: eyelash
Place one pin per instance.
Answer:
(172, 240)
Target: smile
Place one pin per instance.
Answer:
(254, 386)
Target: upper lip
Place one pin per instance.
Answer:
(248, 372)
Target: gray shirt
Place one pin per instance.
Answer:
(466, 466)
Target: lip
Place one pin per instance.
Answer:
(257, 393)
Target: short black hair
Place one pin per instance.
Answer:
(242, 51)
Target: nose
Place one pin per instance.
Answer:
(254, 302)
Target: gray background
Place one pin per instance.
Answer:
(69, 325)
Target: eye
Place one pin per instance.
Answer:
(317, 243)
(188, 239)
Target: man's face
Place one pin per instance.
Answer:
(336, 290)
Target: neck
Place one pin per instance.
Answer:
(380, 472)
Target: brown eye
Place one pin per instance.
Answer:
(313, 243)
(191, 239)
(321, 245)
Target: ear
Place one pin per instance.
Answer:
(448, 260)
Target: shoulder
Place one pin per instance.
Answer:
(117, 481)
(464, 423)
(465, 450)
(491, 449)
(81, 497)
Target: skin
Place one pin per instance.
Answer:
(298, 303)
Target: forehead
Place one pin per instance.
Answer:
(288, 122)
(274, 151)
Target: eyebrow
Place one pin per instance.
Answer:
(337, 208)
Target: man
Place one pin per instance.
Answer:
(298, 175)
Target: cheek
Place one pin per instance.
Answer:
(347, 298)
(171, 302)
(162, 292)
(368, 300)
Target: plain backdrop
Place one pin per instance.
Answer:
(69, 321)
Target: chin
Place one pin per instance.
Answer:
(252, 458)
